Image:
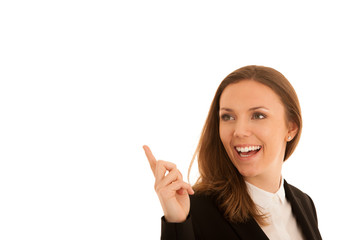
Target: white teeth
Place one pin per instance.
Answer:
(247, 149)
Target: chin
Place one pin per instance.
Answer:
(248, 173)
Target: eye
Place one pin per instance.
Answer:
(258, 115)
(227, 117)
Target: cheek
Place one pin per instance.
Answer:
(273, 139)
(225, 136)
(271, 134)
(264, 133)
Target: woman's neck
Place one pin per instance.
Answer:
(267, 184)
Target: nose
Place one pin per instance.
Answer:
(242, 129)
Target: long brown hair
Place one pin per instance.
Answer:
(218, 175)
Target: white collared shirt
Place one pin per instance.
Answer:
(282, 223)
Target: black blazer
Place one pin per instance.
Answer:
(205, 221)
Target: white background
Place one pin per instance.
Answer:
(84, 84)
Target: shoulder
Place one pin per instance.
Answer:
(295, 194)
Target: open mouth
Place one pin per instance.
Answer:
(248, 151)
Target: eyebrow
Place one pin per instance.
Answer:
(256, 108)
(250, 109)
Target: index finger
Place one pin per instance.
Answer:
(150, 157)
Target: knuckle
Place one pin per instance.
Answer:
(162, 192)
(160, 163)
(163, 162)
(157, 185)
(179, 173)
(157, 189)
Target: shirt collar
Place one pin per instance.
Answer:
(263, 198)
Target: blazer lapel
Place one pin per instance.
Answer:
(301, 213)
(249, 230)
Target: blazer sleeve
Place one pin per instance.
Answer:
(177, 231)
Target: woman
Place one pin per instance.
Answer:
(253, 126)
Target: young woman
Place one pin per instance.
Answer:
(253, 126)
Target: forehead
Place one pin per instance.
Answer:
(247, 94)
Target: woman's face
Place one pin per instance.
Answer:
(254, 129)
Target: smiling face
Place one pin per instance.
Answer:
(254, 130)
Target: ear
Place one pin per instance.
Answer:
(292, 131)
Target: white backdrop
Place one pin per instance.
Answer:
(84, 84)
